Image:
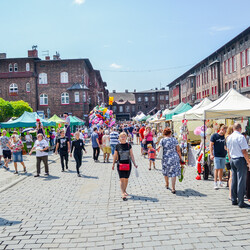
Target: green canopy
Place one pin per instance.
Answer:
(74, 121)
(145, 118)
(56, 119)
(27, 119)
(182, 107)
(80, 120)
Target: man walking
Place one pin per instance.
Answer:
(218, 154)
(64, 145)
(95, 144)
(237, 152)
(114, 139)
(42, 148)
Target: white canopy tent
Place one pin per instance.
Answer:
(231, 105)
(189, 114)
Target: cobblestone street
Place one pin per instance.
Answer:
(67, 212)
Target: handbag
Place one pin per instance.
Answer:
(124, 167)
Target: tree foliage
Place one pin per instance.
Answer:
(10, 109)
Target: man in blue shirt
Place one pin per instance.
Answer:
(237, 151)
(95, 145)
(218, 154)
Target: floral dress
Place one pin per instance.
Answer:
(170, 160)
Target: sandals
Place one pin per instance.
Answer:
(173, 192)
(149, 169)
(124, 198)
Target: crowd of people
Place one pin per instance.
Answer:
(228, 147)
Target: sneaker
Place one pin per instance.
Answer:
(37, 175)
(62, 170)
(78, 175)
(215, 186)
(15, 172)
(46, 174)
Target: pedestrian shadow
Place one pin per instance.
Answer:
(189, 192)
(4, 222)
(50, 177)
(89, 177)
(143, 198)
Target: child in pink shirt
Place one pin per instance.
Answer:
(151, 156)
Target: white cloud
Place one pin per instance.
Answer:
(115, 66)
(79, 1)
(220, 28)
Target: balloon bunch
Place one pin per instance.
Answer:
(101, 116)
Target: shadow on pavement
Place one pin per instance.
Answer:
(189, 192)
(143, 198)
(89, 177)
(50, 177)
(4, 222)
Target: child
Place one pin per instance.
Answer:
(151, 156)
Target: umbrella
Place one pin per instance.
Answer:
(27, 130)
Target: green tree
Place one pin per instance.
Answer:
(19, 107)
(6, 110)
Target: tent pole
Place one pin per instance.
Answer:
(204, 142)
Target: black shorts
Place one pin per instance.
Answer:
(6, 154)
(124, 174)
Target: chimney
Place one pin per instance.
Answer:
(47, 57)
(114, 91)
(126, 90)
(134, 90)
(33, 53)
(156, 88)
(2, 55)
(56, 56)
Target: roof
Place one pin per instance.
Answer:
(222, 48)
(123, 97)
(151, 91)
(78, 86)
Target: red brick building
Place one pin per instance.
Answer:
(52, 86)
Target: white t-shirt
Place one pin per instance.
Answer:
(106, 141)
(28, 138)
(41, 144)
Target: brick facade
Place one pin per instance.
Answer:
(54, 86)
(228, 67)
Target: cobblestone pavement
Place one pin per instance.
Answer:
(67, 212)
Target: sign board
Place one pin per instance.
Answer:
(41, 113)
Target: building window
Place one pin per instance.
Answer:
(192, 83)
(64, 77)
(248, 56)
(127, 109)
(230, 66)
(146, 99)
(234, 63)
(27, 87)
(85, 96)
(226, 86)
(43, 78)
(15, 67)
(226, 67)
(229, 85)
(13, 88)
(161, 97)
(243, 59)
(139, 99)
(77, 97)
(43, 99)
(65, 98)
(120, 109)
(133, 108)
(27, 67)
(248, 81)
(10, 67)
(243, 82)
(153, 98)
(114, 108)
(166, 97)
(162, 106)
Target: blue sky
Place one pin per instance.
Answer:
(138, 36)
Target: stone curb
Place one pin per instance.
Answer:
(24, 177)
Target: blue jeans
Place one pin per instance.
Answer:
(113, 148)
(219, 162)
(239, 175)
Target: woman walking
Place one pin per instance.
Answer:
(124, 155)
(77, 146)
(16, 147)
(148, 137)
(28, 139)
(171, 158)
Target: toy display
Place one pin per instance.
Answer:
(184, 137)
(101, 116)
